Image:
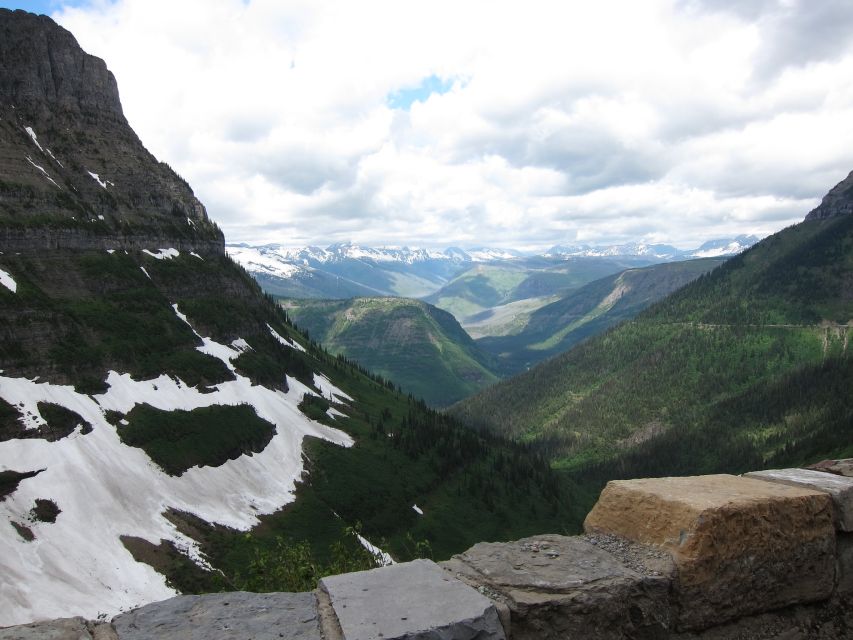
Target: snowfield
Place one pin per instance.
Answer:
(8, 281)
(163, 254)
(105, 489)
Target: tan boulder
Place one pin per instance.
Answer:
(740, 546)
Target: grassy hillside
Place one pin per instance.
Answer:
(588, 311)
(745, 367)
(421, 348)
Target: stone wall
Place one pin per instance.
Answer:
(765, 555)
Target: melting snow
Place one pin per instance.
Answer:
(97, 179)
(35, 139)
(8, 281)
(287, 343)
(105, 489)
(46, 174)
(163, 254)
(50, 153)
(328, 389)
(384, 558)
(239, 343)
(418, 510)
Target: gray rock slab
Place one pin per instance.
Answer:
(558, 587)
(842, 467)
(224, 616)
(63, 629)
(840, 488)
(412, 601)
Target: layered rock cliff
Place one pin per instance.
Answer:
(73, 174)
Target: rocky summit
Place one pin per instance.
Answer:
(839, 201)
(73, 174)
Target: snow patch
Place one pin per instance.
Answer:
(32, 133)
(97, 179)
(145, 272)
(78, 565)
(163, 254)
(195, 255)
(8, 281)
(287, 343)
(418, 510)
(383, 557)
(46, 174)
(328, 389)
(111, 251)
(239, 344)
(55, 159)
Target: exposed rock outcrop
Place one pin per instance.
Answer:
(735, 541)
(838, 202)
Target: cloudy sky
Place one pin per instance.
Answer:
(515, 124)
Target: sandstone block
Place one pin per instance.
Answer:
(63, 629)
(412, 601)
(838, 487)
(224, 616)
(740, 545)
(561, 587)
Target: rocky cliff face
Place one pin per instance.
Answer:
(838, 202)
(72, 172)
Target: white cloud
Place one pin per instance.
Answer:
(672, 120)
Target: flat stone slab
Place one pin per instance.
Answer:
(558, 586)
(62, 629)
(413, 600)
(740, 545)
(840, 488)
(224, 616)
(843, 467)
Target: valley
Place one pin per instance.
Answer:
(163, 426)
(746, 366)
(182, 415)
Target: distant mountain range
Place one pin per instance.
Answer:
(346, 270)
(658, 252)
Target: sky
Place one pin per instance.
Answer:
(486, 123)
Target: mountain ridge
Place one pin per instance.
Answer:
(344, 270)
(421, 348)
(730, 371)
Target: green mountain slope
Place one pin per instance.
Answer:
(165, 408)
(740, 368)
(419, 347)
(588, 311)
(486, 286)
